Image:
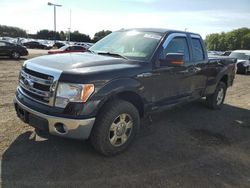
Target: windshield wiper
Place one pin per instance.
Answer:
(112, 54)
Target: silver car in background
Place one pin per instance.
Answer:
(243, 60)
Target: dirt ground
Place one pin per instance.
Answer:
(188, 146)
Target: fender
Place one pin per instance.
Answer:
(117, 86)
(110, 89)
(211, 87)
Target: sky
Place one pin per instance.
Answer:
(90, 16)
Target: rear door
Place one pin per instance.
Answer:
(200, 66)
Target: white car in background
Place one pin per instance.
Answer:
(243, 60)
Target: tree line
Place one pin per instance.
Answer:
(76, 36)
(233, 40)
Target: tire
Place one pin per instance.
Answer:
(115, 127)
(215, 101)
(245, 70)
(15, 55)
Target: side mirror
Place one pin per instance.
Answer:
(173, 60)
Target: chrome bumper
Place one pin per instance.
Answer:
(73, 128)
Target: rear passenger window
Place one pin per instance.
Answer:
(178, 45)
(198, 53)
(78, 48)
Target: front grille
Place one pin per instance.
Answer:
(37, 86)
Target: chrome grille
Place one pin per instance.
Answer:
(36, 85)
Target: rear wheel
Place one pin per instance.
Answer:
(245, 70)
(215, 101)
(15, 55)
(115, 127)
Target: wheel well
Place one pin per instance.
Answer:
(224, 79)
(133, 98)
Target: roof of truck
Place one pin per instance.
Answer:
(157, 30)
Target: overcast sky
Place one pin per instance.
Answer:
(90, 16)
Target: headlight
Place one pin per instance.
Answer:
(67, 92)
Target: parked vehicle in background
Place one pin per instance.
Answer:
(226, 53)
(243, 60)
(35, 45)
(102, 94)
(85, 45)
(59, 44)
(12, 50)
(48, 44)
(214, 53)
(68, 49)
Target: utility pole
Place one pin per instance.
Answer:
(69, 24)
(55, 5)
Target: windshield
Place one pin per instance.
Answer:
(133, 44)
(63, 47)
(239, 55)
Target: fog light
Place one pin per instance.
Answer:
(61, 128)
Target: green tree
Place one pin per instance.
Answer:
(79, 37)
(236, 39)
(47, 35)
(246, 41)
(212, 41)
(101, 34)
(63, 35)
(8, 31)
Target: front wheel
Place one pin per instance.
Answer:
(215, 101)
(15, 55)
(115, 127)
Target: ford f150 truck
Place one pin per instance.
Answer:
(102, 94)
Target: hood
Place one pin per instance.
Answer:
(79, 62)
(243, 62)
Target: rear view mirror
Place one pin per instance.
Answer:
(173, 60)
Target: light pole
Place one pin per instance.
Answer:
(55, 5)
(69, 24)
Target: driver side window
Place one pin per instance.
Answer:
(178, 45)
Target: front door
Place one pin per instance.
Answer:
(171, 85)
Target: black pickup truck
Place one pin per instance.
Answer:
(102, 94)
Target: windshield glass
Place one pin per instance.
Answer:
(133, 44)
(239, 55)
(63, 47)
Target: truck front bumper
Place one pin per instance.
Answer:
(59, 126)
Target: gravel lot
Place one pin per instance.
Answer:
(188, 146)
